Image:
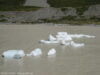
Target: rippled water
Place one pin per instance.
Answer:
(68, 60)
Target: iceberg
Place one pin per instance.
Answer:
(35, 52)
(13, 54)
(66, 39)
(49, 42)
(81, 36)
(73, 44)
(51, 52)
(51, 38)
(65, 43)
(63, 36)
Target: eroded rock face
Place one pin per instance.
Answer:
(93, 11)
(39, 3)
(49, 13)
(43, 13)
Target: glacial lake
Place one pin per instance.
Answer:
(68, 60)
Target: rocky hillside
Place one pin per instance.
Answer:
(39, 3)
(54, 13)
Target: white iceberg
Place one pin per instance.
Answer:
(66, 39)
(49, 42)
(51, 38)
(63, 36)
(73, 44)
(51, 52)
(35, 52)
(65, 43)
(13, 54)
(81, 36)
(62, 33)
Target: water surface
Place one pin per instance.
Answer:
(68, 60)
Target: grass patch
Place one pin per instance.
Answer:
(3, 20)
(68, 18)
(18, 8)
(2, 16)
(15, 5)
(80, 10)
(72, 3)
(64, 9)
(56, 20)
(73, 20)
(12, 2)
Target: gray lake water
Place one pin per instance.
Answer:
(68, 60)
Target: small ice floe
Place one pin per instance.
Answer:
(81, 36)
(51, 38)
(51, 52)
(73, 44)
(35, 52)
(63, 36)
(49, 42)
(62, 33)
(13, 54)
(67, 38)
(65, 43)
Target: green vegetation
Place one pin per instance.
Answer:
(64, 9)
(59, 20)
(15, 5)
(73, 20)
(65, 20)
(12, 2)
(18, 8)
(95, 18)
(68, 18)
(3, 20)
(72, 3)
(2, 16)
(80, 10)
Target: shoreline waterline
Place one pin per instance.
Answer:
(50, 24)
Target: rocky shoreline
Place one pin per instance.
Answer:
(50, 14)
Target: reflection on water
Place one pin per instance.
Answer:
(67, 61)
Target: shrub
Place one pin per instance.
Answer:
(11, 2)
(72, 3)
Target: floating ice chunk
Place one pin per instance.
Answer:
(76, 44)
(13, 54)
(66, 38)
(63, 36)
(81, 36)
(49, 42)
(41, 41)
(89, 36)
(36, 52)
(51, 38)
(65, 43)
(52, 52)
(62, 33)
